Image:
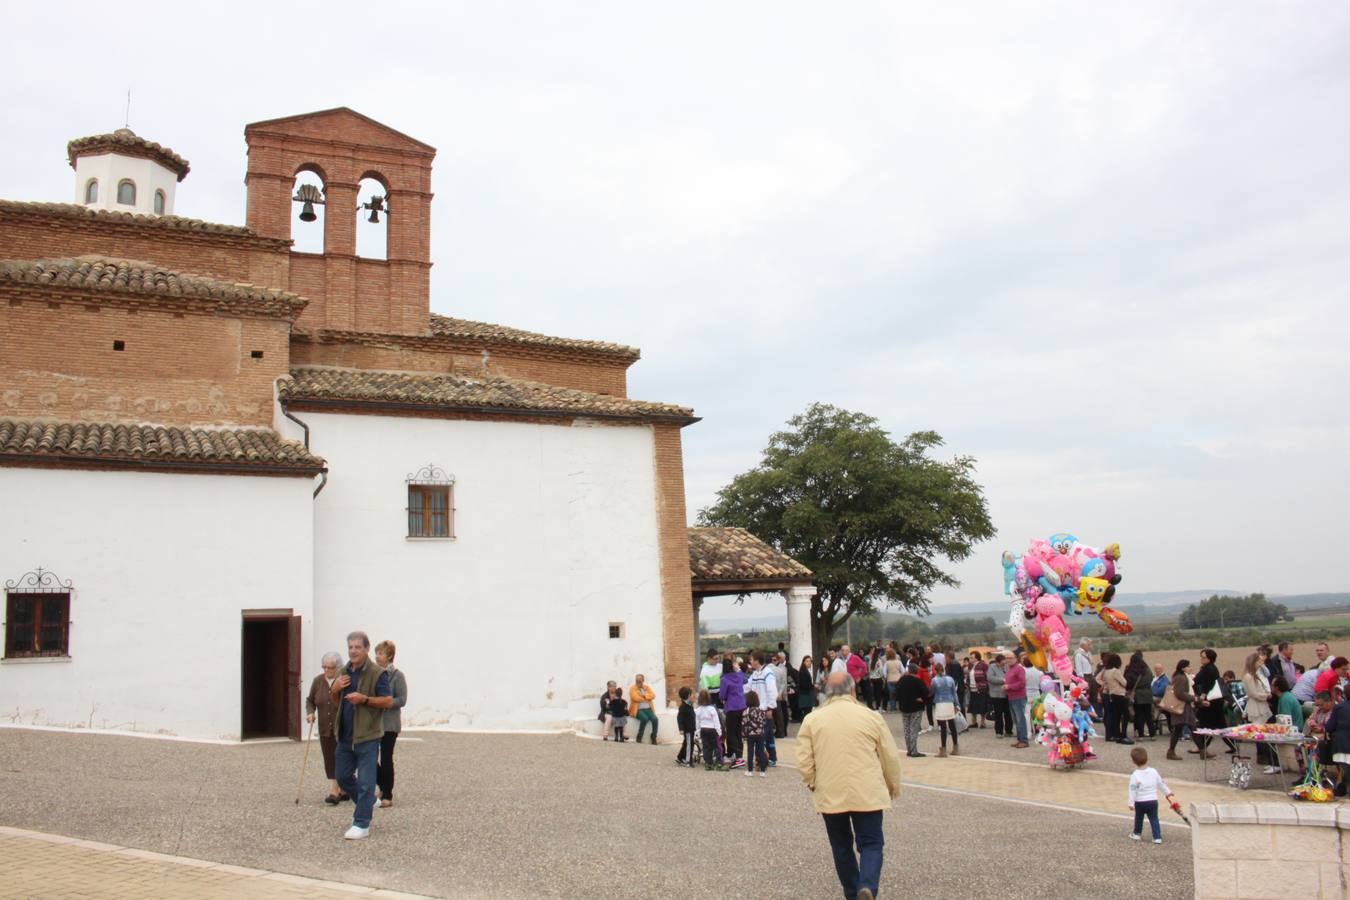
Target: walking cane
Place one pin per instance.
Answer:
(301, 786)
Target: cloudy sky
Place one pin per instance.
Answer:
(1102, 250)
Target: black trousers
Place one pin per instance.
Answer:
(735, 747)
(1143, 718)
(780, 718)
(384, 775)
(1002, 715)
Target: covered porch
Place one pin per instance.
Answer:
(732, 561)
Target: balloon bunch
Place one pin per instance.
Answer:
(1053, 577)
(1065, 725)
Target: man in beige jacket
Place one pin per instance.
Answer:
(850, 762)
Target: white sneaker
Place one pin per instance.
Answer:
(356, 833)
(1134, 837)
(1272, 770)
(1157, 840)
(763, 774)
(748, 773)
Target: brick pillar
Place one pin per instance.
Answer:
(677, 597)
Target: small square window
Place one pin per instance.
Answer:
(615, 631)
(119, 346)
(37, 625)
(256, 354)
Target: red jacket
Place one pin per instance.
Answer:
(857, 667)
(1016, 682)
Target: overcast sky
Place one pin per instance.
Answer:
(1103, 250)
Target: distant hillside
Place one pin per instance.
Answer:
(1144, 606)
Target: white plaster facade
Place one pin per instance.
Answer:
(507, 624)
(161, 567)
(109, 169)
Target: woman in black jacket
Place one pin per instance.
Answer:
(1209, 711)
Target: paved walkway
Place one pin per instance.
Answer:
(35, 864)
(468, 802)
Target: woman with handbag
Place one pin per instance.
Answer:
(1209, 700)
(1179, 704)
(944, 707)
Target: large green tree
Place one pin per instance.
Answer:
(1222, 611)
(875, 519)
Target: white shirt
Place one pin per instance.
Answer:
(1034, 676)
(763, 684)
(707, 717)
(1082, 663)
(940, 658)
(839, 665)
(1147, 784)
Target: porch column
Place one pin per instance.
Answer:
(799, 620)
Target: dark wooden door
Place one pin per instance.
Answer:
(294, 687)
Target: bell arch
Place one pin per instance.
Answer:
(308, 210)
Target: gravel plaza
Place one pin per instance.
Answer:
(518, 815)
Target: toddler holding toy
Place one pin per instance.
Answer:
(1145, 786)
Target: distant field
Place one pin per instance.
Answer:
(1233, 657)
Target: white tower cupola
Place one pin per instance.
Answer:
(125, 173)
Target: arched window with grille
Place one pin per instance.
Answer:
(159, 203)
(431, 507)
(126, 192)
(91, 191)
(37, 616)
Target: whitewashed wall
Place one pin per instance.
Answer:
(110, 169)
(162, 567)
(507, 624)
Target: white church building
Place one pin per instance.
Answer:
(219, 455)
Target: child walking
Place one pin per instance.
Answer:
(618, 711)
(709, 724)
(686, 720)
(752, 727)
(1145, 787)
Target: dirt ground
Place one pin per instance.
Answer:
(1233, 657)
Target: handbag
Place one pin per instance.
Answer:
(1216, 692)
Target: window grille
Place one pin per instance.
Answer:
(431, 510)
(37, 616)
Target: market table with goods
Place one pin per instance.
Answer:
(1272, 735)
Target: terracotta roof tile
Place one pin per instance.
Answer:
(127, 142)
(148, 445)
(445, 326)
(124, 276)
(486, 393)
(175, 223)
(734, 554)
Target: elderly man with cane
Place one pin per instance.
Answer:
(849, 761)
(363, 693)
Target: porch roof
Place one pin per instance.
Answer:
(734, 561)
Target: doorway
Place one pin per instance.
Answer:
(269, 675)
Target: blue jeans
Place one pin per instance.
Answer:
(1147, 808)
(754, 753)
(356, 777)
(1019, 717)
(770, 745)
(844, 830)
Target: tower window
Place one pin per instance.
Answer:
(126, 192)
(159, 203)
(91, 191)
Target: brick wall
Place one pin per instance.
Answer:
(677, 598)
(224, 256)
(584, 376)
(1270, 850)
(59, 362)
